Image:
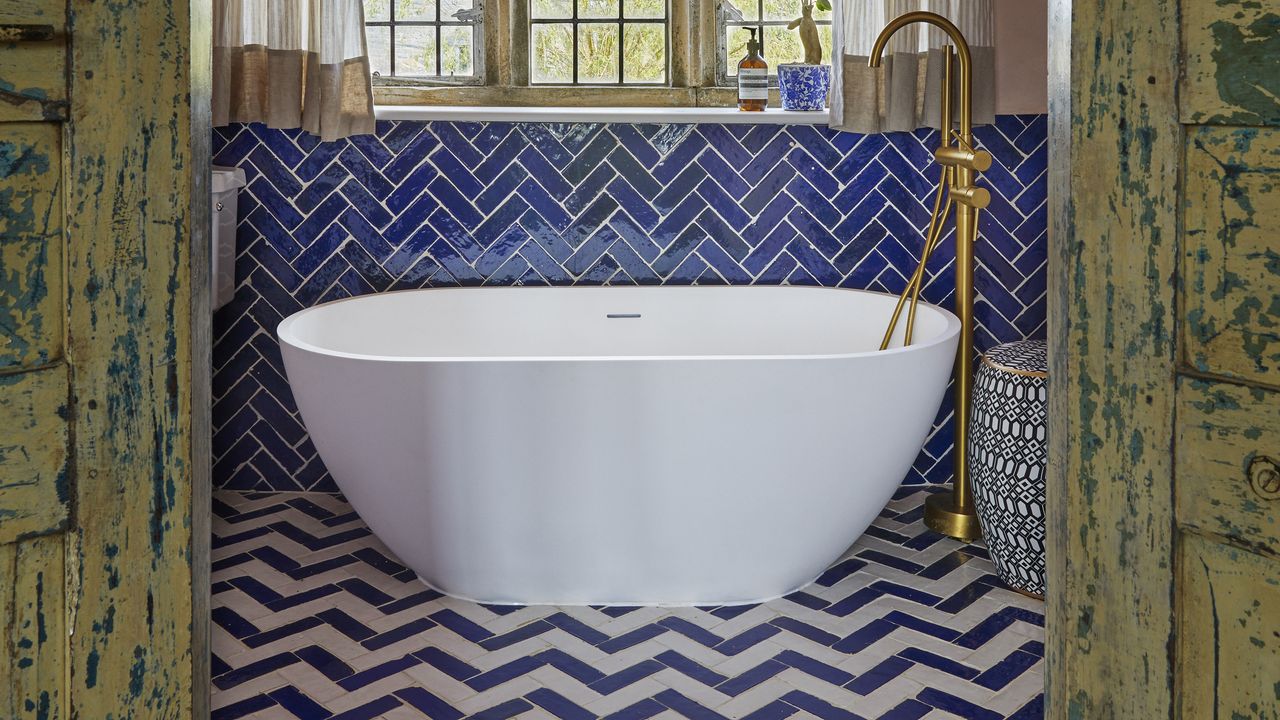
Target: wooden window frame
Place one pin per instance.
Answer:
(692, 73)
(479, 49)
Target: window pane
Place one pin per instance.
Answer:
(645, 53)
(414, 10)
(790, 10)
(781, 46)
(379, 41)
(551, 53)
(747, 9)
(598, 53)
(415, 51)
(735, 44)
(644, 8)
(824, 35)
(598, 8)
(449, 7)
(551, 9)
(377, 10)
(782, 9)
(456, 51)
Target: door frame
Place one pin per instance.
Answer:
(1114, 171)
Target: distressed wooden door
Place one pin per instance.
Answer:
(100, 537)
(1165, 344)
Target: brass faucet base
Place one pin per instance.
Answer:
(941, 515)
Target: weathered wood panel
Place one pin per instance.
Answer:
(1116, 145)
(1231, 258)
(1233, 62)
(129, 196)
(1228, 640)
(33, 83)
(31, 295)
(1222, 430)
(33, 628)
(34, 489)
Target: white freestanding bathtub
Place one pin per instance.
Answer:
(664, 445)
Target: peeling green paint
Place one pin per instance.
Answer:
(1247, 60)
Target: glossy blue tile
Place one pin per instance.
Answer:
(370, 710)
(956, 705)
(686, 707)
(558, 705)
(691, 630)
(432, 706)
(243, 708)
(946, 665)
(612, 683)
(508, 709)
(503, 673)
(805, 630)
(646, 708)
(395, 635)
(377, 672)
(298, 704)
(252, 670)
(818, 706)
(747, 638)
(632, 638)
(816, 668)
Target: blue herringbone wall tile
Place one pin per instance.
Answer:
(448, 204)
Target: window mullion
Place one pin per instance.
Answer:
(622, 55)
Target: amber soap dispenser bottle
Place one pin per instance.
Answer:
(753, 78)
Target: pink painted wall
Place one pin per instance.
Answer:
(1022, 60)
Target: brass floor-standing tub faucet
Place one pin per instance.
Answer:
(950, 513)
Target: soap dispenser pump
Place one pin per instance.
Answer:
(753, 78)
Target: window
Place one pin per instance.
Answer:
(598, 42)
(428, 40)
(770, 18)
(610, 52)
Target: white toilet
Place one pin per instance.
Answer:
(226, 182)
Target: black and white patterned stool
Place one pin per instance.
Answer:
(1007, 452)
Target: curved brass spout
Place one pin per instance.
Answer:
(962, 52)
(952, 513)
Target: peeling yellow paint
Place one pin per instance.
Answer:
(1163, 238)
(1228, 640)
(99, 542)
(34, 492)
(1231, 260)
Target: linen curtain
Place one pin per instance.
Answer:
(905, 92)
(292, 63)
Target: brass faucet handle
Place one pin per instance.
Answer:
(979, 160)
(974, 197)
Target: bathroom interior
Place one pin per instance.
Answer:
(639, 359)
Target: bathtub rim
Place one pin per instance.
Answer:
(286, 335)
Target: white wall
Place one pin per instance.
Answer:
(1022, 61)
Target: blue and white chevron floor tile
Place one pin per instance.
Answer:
(314, 618)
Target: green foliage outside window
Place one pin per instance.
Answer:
(618, 41)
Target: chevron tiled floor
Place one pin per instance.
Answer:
(313, 618)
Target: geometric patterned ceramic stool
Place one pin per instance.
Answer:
(1007, 457)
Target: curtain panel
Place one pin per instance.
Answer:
(905, 92)
(292, 64)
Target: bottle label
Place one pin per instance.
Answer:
(753, 84)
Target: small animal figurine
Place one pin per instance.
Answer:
(808, 33)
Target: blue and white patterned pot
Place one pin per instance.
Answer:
(1007, 457)
(804, 87)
